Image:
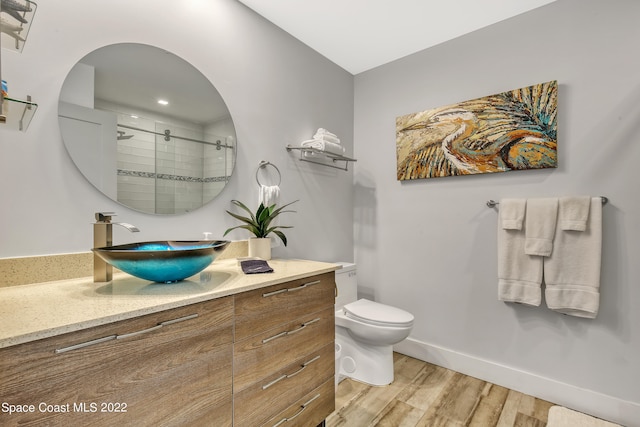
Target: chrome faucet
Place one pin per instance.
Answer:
(103, 236)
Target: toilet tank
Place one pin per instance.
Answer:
(347, 284)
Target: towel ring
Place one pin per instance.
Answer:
(263, 164)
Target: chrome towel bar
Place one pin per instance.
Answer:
(493, 203)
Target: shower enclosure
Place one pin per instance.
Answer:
(170, 169)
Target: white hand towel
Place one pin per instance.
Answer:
(540, 224)
(572, 273)
(573, 212)
(512, 213)
(519, 274)
(327, 146)
(269, 195)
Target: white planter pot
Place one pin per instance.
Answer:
(260, 247)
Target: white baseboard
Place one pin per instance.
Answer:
(587, 401)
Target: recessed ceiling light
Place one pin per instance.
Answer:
(163, 102)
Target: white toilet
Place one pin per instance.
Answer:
(366, 332)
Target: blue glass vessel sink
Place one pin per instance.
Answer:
(163, 261)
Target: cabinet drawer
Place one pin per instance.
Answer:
(260, 356)
(309, 411)
(262, 309)
(157, 370)
(262, 400)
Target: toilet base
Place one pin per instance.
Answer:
(366, 363)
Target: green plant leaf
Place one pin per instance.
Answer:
(241, 205)
(258, 224)
(281, 235)
(246, 227)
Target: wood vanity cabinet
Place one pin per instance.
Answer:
(168, 368)
(284, 353)
(262, 357)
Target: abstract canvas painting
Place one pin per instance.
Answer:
(514, 130)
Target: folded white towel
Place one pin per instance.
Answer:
(572, 273)
(327, 138)
(512, 213)
(327, 146)
(324, 135)
(540, 224)
(573, 212)
(323, 131)
(519, 274)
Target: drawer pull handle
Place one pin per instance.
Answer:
(304, 325)
(304, 365)
(85, 344)
(282, 377)
(179, 319)
(267, 385)
(281, 334)
(304, 285)
(279, 291)
(143, 331)
(284, 333)
(297, 288)
(158, 326)
(302, 408)
(122, 336)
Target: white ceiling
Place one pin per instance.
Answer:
(362, 34)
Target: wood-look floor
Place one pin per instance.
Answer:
(428, 395)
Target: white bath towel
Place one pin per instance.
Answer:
(573, 212)
(540, 220)
(519, 274)
(327, 146)
(327, 137)
(512, 213)
(572, 272)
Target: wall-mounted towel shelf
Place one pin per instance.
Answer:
(15, 114)
(20, 113)
(307, 154)
(493, 203)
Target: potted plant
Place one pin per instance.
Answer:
(260, 225)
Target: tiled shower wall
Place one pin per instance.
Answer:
(168, 177)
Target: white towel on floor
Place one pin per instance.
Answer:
(573, 212)
(512, 213)
(572, 272)
(519, 274)
(540, 220)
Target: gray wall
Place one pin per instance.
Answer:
(429, 246)
(278, 91)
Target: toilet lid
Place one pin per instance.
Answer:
(377, 314)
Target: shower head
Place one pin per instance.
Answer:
(121, 135)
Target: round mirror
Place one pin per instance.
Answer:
(147, 129)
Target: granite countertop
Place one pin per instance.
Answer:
(41, 310)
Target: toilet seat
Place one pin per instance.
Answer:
(374, 313)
